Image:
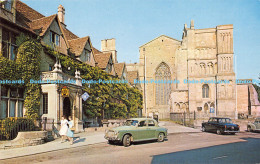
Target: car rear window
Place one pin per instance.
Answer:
(131, 122)
(224, 120)
(151, 123)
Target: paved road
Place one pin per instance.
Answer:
(179, 148)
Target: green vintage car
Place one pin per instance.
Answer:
(136, 129)
(254, 126)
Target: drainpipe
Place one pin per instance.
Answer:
(59, 99)
(145, 107)
(216, 96)
(236, 112)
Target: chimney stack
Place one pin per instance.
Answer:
(109, 45)
(192, 24)
(61, 14)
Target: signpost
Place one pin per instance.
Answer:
(212, 110)
(85, 96)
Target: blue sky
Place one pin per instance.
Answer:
(135, 22)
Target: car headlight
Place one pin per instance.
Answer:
(116, 133)
(106, 131)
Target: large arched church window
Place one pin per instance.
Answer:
(205, 91)
(163, 87)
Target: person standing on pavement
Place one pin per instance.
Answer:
(64, 128)
(70, 133)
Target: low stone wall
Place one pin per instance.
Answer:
(23, 139)
(106, 125)
(113, 123)
(96, 129)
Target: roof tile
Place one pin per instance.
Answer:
(119, 68)
(69, 35)
(42, 23)
(27, 12)
(77, 45)
(102, 59)
(95, 51)
(131, 76)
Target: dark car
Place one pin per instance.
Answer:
(220, 126)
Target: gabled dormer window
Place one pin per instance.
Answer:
(55, 38)
(7, 5)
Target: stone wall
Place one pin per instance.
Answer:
(26, 139)
(247, 100)
(242, 99)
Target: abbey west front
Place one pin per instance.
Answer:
(203, 55)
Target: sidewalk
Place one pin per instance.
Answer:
(176, 128)
(85, 138)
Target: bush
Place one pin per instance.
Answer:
(10, 127)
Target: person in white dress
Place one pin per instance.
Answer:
(63, 128)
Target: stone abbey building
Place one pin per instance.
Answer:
(202, 54)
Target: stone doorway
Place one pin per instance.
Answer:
(66, 107)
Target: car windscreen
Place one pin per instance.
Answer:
(131, 122)
(225, 120)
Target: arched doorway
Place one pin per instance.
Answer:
(66, 107)
(177, 107)
(212, 108)
(206, 108)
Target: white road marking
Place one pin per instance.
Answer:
(220, 157)
(193, 134)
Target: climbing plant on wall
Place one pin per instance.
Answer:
(26, 67)
(28, 61)
(112, 100)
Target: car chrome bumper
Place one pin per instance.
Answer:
(112, 138)
(228, 131)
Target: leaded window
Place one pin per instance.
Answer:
(163, 86)
(87, 55)
(45, 103)
(9, 48)
(11, 102)
(205, 91)
(54, 38)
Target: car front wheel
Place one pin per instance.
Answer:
(127, 140)
(204, 129)
(161, 137)
(219, 132)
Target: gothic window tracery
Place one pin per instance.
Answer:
(205, 91)
(163, 87)
(202, 69)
